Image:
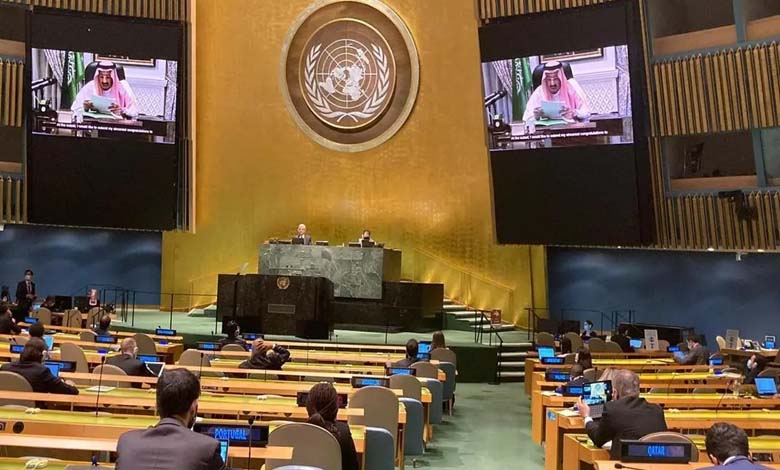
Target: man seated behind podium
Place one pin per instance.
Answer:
(106, 85)
(627, 416)
(266, 356)
(411, 354)
(366, 237)
(302, 236)
(31, 368)
(728, 449)
(128, 362)
(555, 87)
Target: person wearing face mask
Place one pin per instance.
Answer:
(25, 295)
(587, 332)
(755, 365)
(128, 362)
(171, 444)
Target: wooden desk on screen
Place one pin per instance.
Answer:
(307, 356)
(562, 422)
(170, 352)
(610, 465)
(121, 334)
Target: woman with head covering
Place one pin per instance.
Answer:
(323, 407)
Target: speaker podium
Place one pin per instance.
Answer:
(299, 306)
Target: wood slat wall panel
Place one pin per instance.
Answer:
(489, 9)
(11, 89)
(157, 9)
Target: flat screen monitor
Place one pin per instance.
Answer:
(556, 376)
(30, 320)
(716, 361)
(545, 351)
(65, 366)
(17, 348)
(106, 339)
(165, 332)
(54, 368)
(239, 435)
(655, 452)
(423, 346)
(149, 358)
(360, 382)
(552, 360)
(209, 346)
(400, 371)
(673, 349)
(635, 343)
(766, 386)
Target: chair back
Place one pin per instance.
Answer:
(72, 318)
(298, 467)
(590, 374)
(13, 382)
(108, 369)
(194, 358)
(71, 352)
(426, 369)
(233, 347)
(576, 341)
(414, 428)
(721, 342)
(436, 412)
(380, 409)
(668, 436)
(770, 372)
(43, 315)
(544, 339)
(88, 336)
(444, 355)
(408, 384)
(597, 345)
(569, 358)
(145, 343)
(321, 449)
(93, 316)
(450, 381)
(380, 449)
(613, 347)
(663, 345)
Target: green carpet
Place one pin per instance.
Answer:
(491, 430)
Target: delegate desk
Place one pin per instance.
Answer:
(675, 381)
(356, 272)
(562, 422)
(120, 334)
(637, 365)
(740, 356)
(307, 356)
(385, 348)
(578, 450)
(171, 351)
(610, 465)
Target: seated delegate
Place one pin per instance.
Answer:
(127, 360)
(322, 407)
(101, 329)
(30, 367)
(7, 324)
(411, 354)
(233, 331)
(697, 353)
(266, 356)
(728, 449)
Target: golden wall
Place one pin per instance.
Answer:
(426, 191)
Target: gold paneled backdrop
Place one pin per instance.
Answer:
(426, 191)
(730, 90)
(156, 9)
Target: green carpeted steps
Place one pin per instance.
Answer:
(511, 361)
(460, 317)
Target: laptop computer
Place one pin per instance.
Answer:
(224, 446)
(545, 351)
(424, 347)
(49, 340)
(149, 358)
(679, 355)
(596, 395)
(635, 343)
(766, 387)
(54, 368)
(65, 366)
(156, 368)
(769, 342)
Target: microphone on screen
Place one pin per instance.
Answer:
(100, 383)
(251, 420)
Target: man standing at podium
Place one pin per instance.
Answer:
(302, 238)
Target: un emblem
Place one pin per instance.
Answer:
(282, 282)
(349, 73)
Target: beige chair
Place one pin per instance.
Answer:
(21, 339)
(380, 409)
(194, 358)
(658, 390)
(71, 352)
(597, 345)
(721, 342)
(108, 369)
(88, 336)
(314, 446)
(770, 372)
(613, 347)
(145, 343)
(668, 436)
(544, 339)
(576, 341)
(72, 318)
(93, 316)
(663, 345)
(426, 369)
(569, 358)
(590, 374)
(233, 347)
(444, 355)
(13, 382)
(408, 384)
(43, 315)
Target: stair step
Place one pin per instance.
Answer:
(513, 354)
(448, 301)
(507, 374)
(511, 365)
(449, 307)
(461, 313)
(528, 345)
(499, 328)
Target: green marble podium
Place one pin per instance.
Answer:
(356, 273)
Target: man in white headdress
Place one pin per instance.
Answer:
(106, 84)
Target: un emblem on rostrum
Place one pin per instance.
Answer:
(349, 73)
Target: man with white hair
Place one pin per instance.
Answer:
(627, 416)
(127, 360)
(302, 237)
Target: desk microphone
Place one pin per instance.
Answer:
(200, 368)
(626, 467)
(251, 420)
(100, 382)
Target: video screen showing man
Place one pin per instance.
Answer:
(559, 100)
(89, 94)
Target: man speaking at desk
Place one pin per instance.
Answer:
(107, 88)
(556, 88)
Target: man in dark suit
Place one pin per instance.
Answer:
(7, 325)
(697, 353)
(727, 448)
(626, 417)
(40, 378)
(622, 339)
(411, 354)
(101, 329)
(170, 444)
(25, 295)
(302, 235)
(577, 376)
(127, 360)
(266, 356)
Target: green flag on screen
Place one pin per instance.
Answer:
(522, 87)
(72, 76)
